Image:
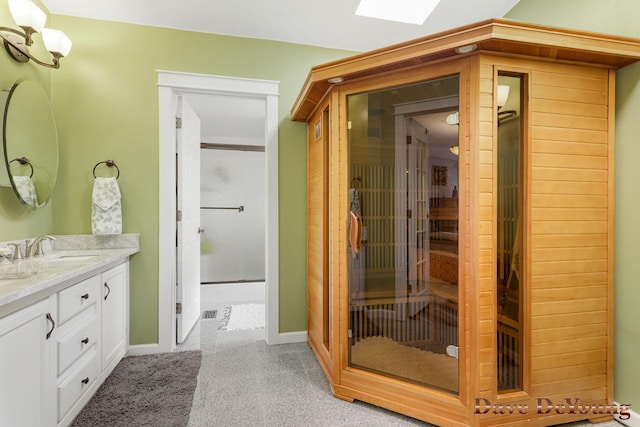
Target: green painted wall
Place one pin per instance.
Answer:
(105, 97)
(618, 17)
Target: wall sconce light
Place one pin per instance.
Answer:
(31, 19)
(502, 96)
(455, 149)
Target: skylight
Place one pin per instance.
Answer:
(406, 11)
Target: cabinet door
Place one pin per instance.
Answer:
(115, 314)
(27, 366)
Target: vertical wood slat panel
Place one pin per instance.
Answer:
(377, 193)
(436, 323)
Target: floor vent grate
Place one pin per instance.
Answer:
(210, 314)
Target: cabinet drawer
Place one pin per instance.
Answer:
(76, 298)
(77, 343)
(72, 388)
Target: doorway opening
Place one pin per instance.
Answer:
(172, 86)
(232, 211)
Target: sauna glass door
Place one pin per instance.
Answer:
(403, 232)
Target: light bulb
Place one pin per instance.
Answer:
(27, 14)
(56, 41)
(503, 95)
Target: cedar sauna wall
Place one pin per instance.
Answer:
(568, 233)
(567, 143)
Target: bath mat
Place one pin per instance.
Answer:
(151, 390)
(242, 317)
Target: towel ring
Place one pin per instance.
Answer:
(23, 161)
(355, 181)
(109, 163)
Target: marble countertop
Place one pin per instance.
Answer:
(29, 278)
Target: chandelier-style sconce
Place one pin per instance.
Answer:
(31, 19)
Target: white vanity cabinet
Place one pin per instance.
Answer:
(115, 315)
(55, 353)
(77, 343)
(27, 369)
(93, 337)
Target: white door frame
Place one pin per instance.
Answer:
(170, 84)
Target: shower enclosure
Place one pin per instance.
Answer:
(232, 214)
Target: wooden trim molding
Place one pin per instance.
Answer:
(499, 36)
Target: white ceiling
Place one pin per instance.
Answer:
(327, 23)
(229, 119)
(330, 24)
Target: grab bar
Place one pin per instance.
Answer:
(239, 208)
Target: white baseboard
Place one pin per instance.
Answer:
(141, 349)
(633, 421)
(288, 338)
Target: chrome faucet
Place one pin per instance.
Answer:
(34, 248)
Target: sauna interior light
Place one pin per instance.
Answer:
(503, 95)
(405, 11)
(334, 80)
(455, 149)
(31, 19)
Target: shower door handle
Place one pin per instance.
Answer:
(200, 230)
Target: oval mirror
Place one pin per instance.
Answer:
(30, 144)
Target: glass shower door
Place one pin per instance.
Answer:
(232, 216)
(403, 254)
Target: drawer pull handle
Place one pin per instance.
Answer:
(85, 296)
(53, 325)
(85, 341)
(85, 381)
(108, 291)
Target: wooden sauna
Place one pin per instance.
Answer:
(460, 224)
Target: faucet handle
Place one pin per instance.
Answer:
(17, 252)
(36, 246)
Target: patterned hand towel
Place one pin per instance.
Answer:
(26, 190)
(106, 208)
